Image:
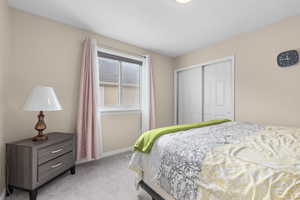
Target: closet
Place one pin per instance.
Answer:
(205, 92)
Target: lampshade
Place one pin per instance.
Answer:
(42, 99)
(183, 1)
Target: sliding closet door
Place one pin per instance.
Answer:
(218, 91)
(189, 96)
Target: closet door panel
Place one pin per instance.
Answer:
(189, 96)
(218, 91)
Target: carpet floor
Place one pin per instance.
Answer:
(106, 179)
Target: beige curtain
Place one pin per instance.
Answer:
(148, 96)
(152, 120)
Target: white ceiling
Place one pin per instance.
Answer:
(164, 26)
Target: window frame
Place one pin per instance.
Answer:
(119, 107)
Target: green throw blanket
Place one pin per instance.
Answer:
(147, 139)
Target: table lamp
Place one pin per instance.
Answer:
(41, 99)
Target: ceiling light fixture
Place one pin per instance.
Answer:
(183, 1)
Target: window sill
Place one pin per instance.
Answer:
(108, 111)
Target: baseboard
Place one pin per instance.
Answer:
(116, 152)
(2, 195)
(107, 154)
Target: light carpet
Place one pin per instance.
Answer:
(106, 179)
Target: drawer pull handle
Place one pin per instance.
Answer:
(55, 166)
(57, 151)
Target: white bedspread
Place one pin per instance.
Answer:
(264, 166)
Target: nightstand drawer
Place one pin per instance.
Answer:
(54, 167)
(54, 151)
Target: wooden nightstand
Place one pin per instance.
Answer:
(31, 165)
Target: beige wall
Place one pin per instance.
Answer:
(49, 53)
(265, 93)
(4, 53)
(113, 137)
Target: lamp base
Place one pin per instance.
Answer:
(40, 127)
(38, 138)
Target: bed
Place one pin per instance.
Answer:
(232, 160)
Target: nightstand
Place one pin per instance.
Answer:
(31, 165)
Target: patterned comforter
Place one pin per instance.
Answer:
(176, 159)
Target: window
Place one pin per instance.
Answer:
(120, 82)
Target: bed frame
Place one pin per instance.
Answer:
(150, 191)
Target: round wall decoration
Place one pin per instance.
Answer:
(288, 58)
